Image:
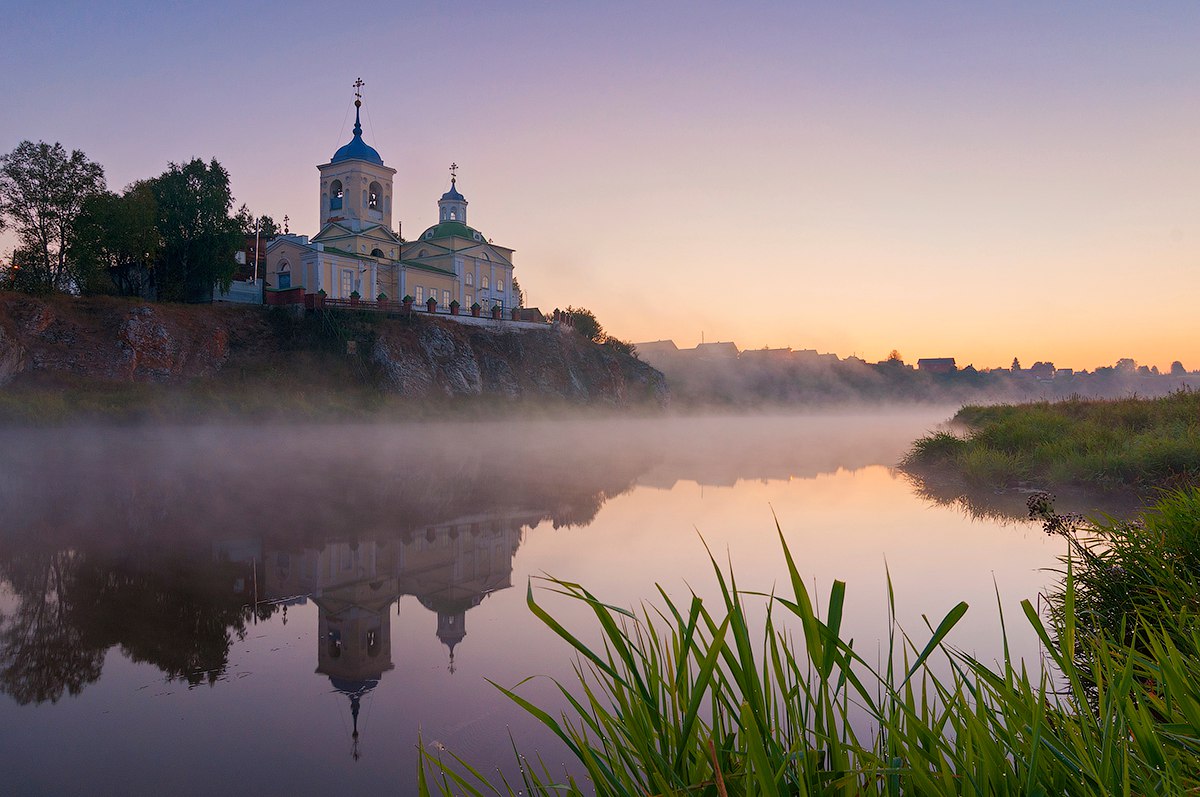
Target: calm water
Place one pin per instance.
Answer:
(190, 611)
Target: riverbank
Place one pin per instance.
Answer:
(67, 359)
(1133, 444)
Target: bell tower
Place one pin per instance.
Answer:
(356, 186)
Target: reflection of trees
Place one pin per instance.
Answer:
(43, 650)
(1011, 505)
(181, 615)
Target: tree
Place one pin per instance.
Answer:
(1016, 366)
(117, 242)
(586, 324)
(518, 293)
(200, 238)
(1177, 369)
(894, 356)
(42, 191)
(265, 226)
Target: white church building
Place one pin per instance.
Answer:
(357, 250)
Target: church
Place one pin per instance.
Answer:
(358, 254)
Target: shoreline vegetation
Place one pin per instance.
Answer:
(1143, 445)
(689, 698)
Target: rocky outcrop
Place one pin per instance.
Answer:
(114, 339)
(439, 358)
(417, 357)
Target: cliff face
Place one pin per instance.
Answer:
(435, 358)
(419, 358)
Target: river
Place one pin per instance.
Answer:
(191, 610)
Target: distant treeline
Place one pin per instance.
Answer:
(752, 378)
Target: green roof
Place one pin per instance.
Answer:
(426, 267)
(452, 229)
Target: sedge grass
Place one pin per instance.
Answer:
(686, 698)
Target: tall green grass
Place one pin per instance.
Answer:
(1141, 443)
(686, 698)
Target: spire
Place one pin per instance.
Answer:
(358, 84)
(354, 703)
(357, 148)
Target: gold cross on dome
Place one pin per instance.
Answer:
(358, 84)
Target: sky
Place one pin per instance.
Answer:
(979, 181)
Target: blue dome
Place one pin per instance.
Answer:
(453, 193)
(357, 148)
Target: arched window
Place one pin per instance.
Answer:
(470, 278)
(423, 253)
(335, 195)
(374, 196)
(335, 644)
(376, 253)
(484, 255)
(500, 286)
(445, 214)
(483, 282)
(453, 214)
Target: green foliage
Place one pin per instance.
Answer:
(587, 324)
(43, 190)
(518, 293)
(1141, 443)
(689, 699)
(249, 224)
(117, 242)
(200, 238)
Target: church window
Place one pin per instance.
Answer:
(420, 296)
(453, 214)
(470, 278)
(373, 196)
(446, 297)
(335, 644)
(347, 282)
(483, 282)
(376, 253)
(484, 256)
(372, 642)
(392, 254)
(335, 195)
(423, 253)
(470, 299)
(500, 286)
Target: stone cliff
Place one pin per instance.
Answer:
(49, 341)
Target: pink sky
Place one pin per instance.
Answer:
(941, 179)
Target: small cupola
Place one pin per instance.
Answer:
(453, 205)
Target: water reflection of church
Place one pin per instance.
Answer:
(450, 568)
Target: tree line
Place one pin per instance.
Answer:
(173, 237)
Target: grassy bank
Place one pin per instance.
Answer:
(690, 699)
(1142, 444)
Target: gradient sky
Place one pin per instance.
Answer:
(946, 179)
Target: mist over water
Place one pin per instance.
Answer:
(237, 601)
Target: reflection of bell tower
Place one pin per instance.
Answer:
(351, 585)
